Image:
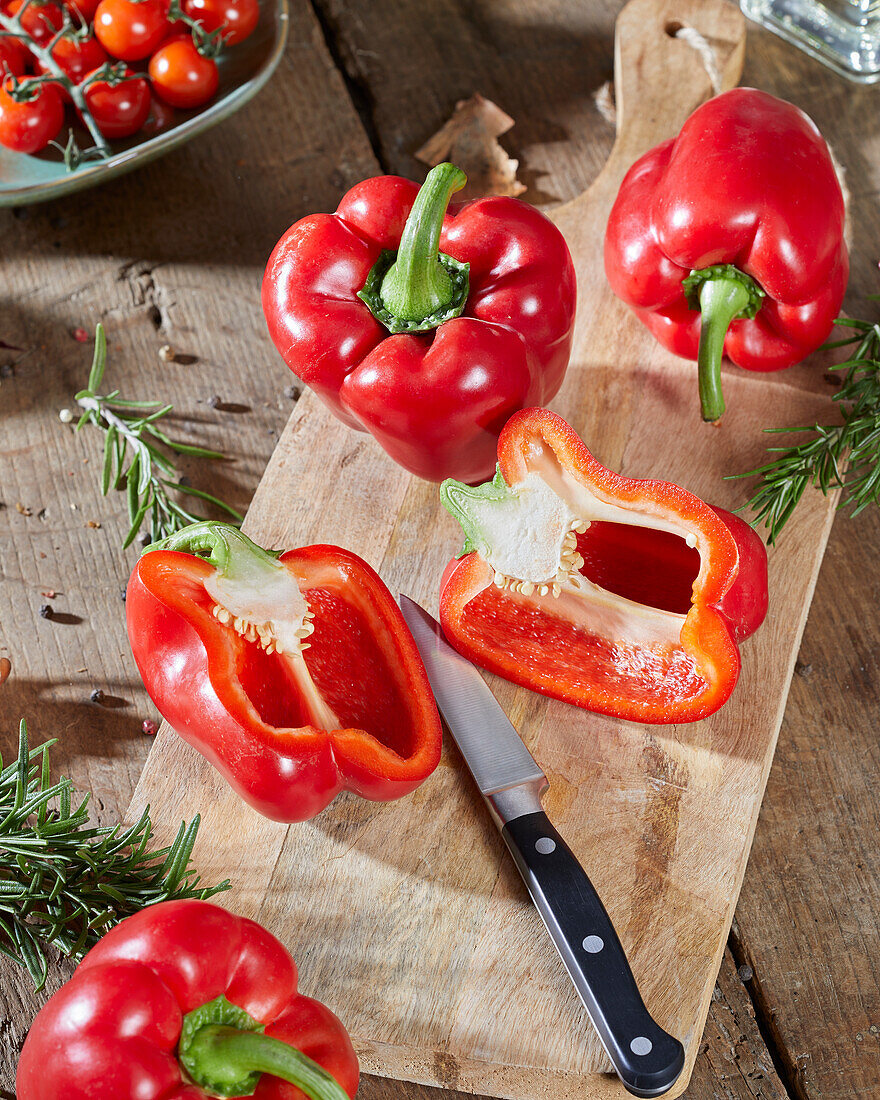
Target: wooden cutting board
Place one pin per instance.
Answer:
(408, 918)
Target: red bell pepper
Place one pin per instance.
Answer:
(430, 352)
(221, 647)
(625, 597)
(729, 239)
(184, 1001)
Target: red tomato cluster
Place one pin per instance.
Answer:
(179, 59)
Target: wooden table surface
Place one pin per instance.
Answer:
(173, 254)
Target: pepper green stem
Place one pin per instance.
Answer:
(463, 502)
(417, 288)
(417, 284)
(234, 555)
(723, 294)
(224, 1050)
(220, 1057)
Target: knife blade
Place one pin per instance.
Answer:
(647, 1059)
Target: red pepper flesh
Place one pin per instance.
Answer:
(745, 209)
(288, 731)
(113, 1031)
(434, 398)
(653, 593)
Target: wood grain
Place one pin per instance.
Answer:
(461, 988)
(808, 917)
(733, 1063)
(165, 254)
(542, 62)
(172, 254)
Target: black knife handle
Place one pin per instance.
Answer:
(648, 1060)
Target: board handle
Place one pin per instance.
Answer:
(662, 72)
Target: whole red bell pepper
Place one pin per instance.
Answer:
(429, 351)
(294, 674)
(729, 239)
(184, 1001)
(622, 596)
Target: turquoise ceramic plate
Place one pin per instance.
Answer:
(244, 69)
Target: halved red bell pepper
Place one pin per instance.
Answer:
(623, 596)
(185, 1001)
(729, 239)
(425, 326)
(294, 673)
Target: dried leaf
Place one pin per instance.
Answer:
(5, 669)
(603, 97)
(470, 140)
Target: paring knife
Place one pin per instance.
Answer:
(646, 1058)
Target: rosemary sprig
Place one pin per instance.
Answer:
(835, 456)
(63, 883)
(133, 436)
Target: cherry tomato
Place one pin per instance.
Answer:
(86, 8)
(181, 75)
(77, 57)
(29, 126)
(239, 16)
(130, 29)
(14, 57)
(175, 26)
(161, 116)
(119, 110)
(40, 20)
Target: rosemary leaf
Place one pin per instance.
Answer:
(99, 361)
(189, 491)
(132, 435)
(63, 881)
(843, 456)
(109, 454)
(132, 486)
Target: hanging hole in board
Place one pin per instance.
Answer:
(673, 27)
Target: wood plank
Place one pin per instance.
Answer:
(810, 909)
(171, 254)
(552, 59)
(540, 60)
(733, 1063)
(488, 47)
(809, 912)
(671, 812)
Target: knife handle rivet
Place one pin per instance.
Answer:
(593, 944)
(641, 1045)
(545, 845)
